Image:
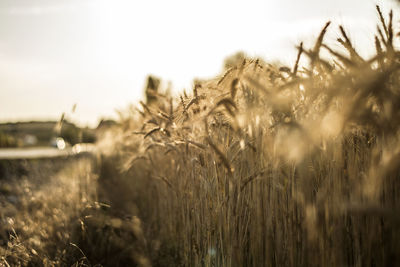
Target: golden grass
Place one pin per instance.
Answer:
(268, 166)
(262, 166)
(40, 207)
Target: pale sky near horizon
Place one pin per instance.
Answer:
(97, 53)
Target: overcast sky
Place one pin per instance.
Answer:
(97, 53)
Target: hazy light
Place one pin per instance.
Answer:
(60, 143)
(97, 53)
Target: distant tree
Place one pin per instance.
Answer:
(106, 123)
(88, 136)
(70, 133)
(7, 140)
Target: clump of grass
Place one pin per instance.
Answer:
(51, 216)
(39, 208)
(268, 166)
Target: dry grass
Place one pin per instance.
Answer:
(268, 166)
(262, 166)
(41, 203)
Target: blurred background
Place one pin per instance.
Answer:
(85, 58)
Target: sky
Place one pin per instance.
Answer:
(97, 53)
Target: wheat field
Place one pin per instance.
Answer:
(264, 165)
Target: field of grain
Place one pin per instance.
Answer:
(264, 165)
